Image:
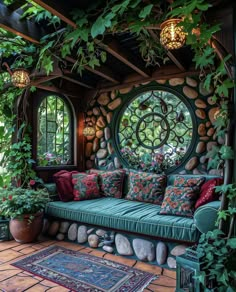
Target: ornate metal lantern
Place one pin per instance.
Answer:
(172, 36)
(20, 78)
(89, 130)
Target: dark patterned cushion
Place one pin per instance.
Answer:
(63, 180)
(207, 193)
(181, 181)
(179, 201)
(146, 187)
(85, 186)
(111, 182)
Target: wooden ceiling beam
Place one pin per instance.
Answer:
(169, 54)
(55, 89)
(11, 21)
(102, 71)
(164, 73)
(116, 51)
(44, 79)
(68, 78)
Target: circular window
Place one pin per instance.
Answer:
(154, 131)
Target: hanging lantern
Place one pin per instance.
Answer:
(20, 78)
(89, 130)
(172, 36)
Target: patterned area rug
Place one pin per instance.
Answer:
(83, 272)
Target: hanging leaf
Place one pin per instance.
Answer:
(145, 11)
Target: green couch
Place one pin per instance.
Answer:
(137, 217)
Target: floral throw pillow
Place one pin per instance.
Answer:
(85, 186)
(146, 187)
(181, 181)
(111, 182)
(179, 201)
(207, 193)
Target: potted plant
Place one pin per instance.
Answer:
(24, 208)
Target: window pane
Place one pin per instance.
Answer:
(54, 132)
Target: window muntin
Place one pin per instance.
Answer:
(154, 131)
(54, 132)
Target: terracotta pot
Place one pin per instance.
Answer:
(25, 232)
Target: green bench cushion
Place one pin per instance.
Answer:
(126, 215)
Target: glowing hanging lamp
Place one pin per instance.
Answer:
(172, 36)
(20, 78)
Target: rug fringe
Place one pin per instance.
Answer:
(148, 283)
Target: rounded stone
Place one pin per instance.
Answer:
(99, 134)
(200, 114)
(192, 163)
(72, 231)
(88, 149)
(82, 235)
(197, 171)
(96, 111)
(210, 132)
(217, 172)
(64, 226)
(102, 162)
(104, 112)
(93, 240)
(89, 164)
(95, 144)
(211, 101)
(221, 140)
(110, 148)
(171, 262)
(161, 253)
(101, 122)
(200, 103)
(182, 172)
(90, 230)
(201, 130)
(191, 82)
(210, 145)
(114, 104)
(123, 245)
(102, 153)
(89, 113)
(53, 228)
(110, 166)
(93, 120)
(178, 250)
(190, 92)
(46, 225)
(101, 232)
(108, 248)
(144, 249)
(103, 144)
(117, 162)
(103, 99)
(88, 119)
(125, 90)
(89, 138)
(203, 159)
(176, 81)
(161, 81)
(107, 132)
(205, 138)
(208, 124)
(212, 113)
(201, 147)
(92, 102)
(60, 236)
(113, 94)
(109, 117)
(203, 90)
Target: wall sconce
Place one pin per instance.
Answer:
(172, 36)
(89, 130)
(19, 77)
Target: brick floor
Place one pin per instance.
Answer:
(13, 279)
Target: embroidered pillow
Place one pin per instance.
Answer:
(207, 193)
(85, 186)
(63, 180)
(179, 201)
(182, 181)
(146, 187)
(111, 182)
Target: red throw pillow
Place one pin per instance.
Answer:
(85, 186)
(63, 180)
(207, 193)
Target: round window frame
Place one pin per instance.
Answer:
(135, 93)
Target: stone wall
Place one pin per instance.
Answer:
(99, 150)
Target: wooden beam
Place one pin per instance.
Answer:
(11, 21)
(55, 9)
(169, 54)
(44, 79)
(76, 81)
(165, 73)
(114, 49)
(102, 71)
(53, 88)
